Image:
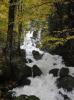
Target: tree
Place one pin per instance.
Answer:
(10, 32)
(61, 21)
(20, 24)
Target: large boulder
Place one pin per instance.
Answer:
(64, 72)
(27, 72)
(36, 71)
(67, 83)
(37, 55)
(25, 97)
(23, 82)
(54, 72)
(32, 97)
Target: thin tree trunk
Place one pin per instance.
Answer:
(19, 35)
(20, 9)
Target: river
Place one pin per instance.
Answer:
(44, 86)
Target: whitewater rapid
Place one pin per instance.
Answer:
(44, 86)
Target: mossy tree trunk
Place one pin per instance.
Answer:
(10, 32)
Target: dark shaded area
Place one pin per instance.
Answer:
(25, 97)
(37, 55)
(67, 83)
(67, 52)
(54, 72)
(22, 82)
(36, 71)
(62, 19)
(64, 72)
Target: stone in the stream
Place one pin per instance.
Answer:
(23, 82)
(64, 72)
(25, 97)
(27, 72)
(36, 71)
(54, 72)
(30, 61)
(37, 55)
(64, 96)
(67, 83)
(32, 97)
(21, 97)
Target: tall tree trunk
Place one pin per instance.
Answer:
(11, 19)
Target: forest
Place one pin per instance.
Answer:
(36, 49)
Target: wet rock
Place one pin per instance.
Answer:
(25, 97)
(54, 64)
(27, 72)
(30, 61)
(67, 83)
(36, 71)
(21, 97)
(32, 97)
(23, 82)
(64, 96)
(54, 72)
(64, 72)
(37, 55)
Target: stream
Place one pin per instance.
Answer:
(43, 86)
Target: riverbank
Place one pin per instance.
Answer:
(60, 46)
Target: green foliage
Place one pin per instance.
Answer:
(62, 18)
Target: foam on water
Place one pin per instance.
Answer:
(44, 86)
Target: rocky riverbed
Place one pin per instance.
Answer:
(47, 77)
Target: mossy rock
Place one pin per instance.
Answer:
(37, 55)
(25, 97)
(33, 98)
(54, 72)
(67, 83)
(22, 97)
(36, 71)
(64, 72)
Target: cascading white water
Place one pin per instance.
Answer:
(44, 86)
